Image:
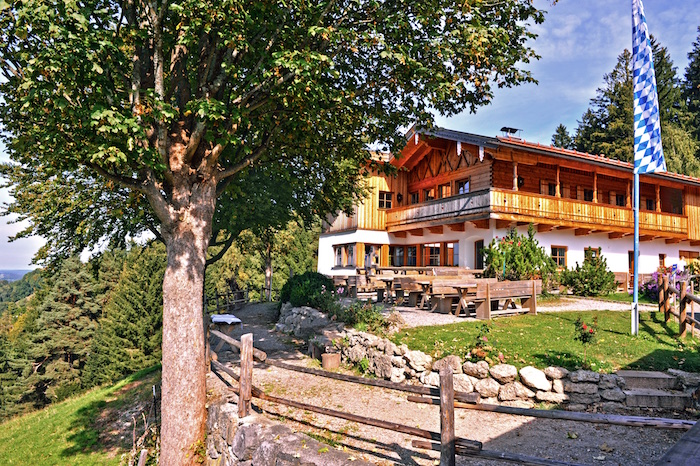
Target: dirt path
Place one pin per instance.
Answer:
(575, 442)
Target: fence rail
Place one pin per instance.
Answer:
(676, 294)
(445, 396)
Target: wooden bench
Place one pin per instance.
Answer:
(489, 295)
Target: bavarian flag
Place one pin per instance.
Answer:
(648, 153)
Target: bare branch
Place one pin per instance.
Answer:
(127, 182)
(227, 245)
(247, 161)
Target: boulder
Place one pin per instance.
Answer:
(610, 406)
(451, 361)
(430, 378)
(608, 381)
(584, 376)
(382, 366)
(557, 386)
(527, 404)
(576, 407)
(584, 398)
(687, 379)
(480, 369)
(462, 383)
(398, 375)
(612, 394)
(535, 378)
(487, 388)
(555, 372)
(246, 440)
(418, 360)
(504, 373)
(552, 397)
(514, 391)
(356, 353)
(585, 388)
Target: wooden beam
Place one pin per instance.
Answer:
(617, 234)
(564, 227)
(647, 238)
(522, 224)
(400, 234)
(416, 232)
(436, 229)
(515, 176)
(503, 223)
(543, 228)
(658, 198)
(582, 231)
(456, 226)
(482, 224)
(558, 188)
(595, 187)
(673, 240)
(695, 243)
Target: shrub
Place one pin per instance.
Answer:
(363, 315)
(591, 279)
(519, 257)
(309, 289)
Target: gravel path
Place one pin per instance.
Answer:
(574, 442)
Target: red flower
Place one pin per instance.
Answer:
(584, 326)
(591, 331)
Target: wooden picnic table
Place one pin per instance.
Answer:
(388, 282)
(465, 291)
(426, 285)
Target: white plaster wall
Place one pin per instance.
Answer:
(327, 241)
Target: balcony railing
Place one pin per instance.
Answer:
(449, 207)
(583, 214)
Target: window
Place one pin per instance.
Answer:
(415, 197)
(396, 256)
(688, 256)
(452, 258)
(444, 190)
(384, 200)
(344, 255)
(573, 192)
(411, 256)
(559, 255)
(351, 255)
(662, 260)
(588, 195)
(479, 254)
(431, 254)
(551, 189)
(651, 204)
(463, 186)
(591, 253)
(620, 200)
(338, 256)
(429, 194)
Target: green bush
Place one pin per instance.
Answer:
(365, 316)
(309, 289)
(591, 279)
(519, 257)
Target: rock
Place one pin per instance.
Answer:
(246, 440)
(504, 373)
(687, 379)
(488, 401)
(514, 391)
(612, 394)
(473, 380)
(451, 361)
(535, 378)
(266, 453)
(280, 327)
(555, 372)
(357, 353)
(462, 383)
(397, 361)
(583, 398)
(418, 360)
(431, 378)
(391, 349)
(576, 407)
(398, 375)
(551, 397)
(584, 376)
(382, 366)
(609, 406)
(487, 388)
(480, 370)
(527, 404)
(557, 386)
(586, 388)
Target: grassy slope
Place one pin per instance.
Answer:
(548, 339)
(68, 433)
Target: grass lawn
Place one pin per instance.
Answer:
(548, 339)
(625, 298)
(67, 433)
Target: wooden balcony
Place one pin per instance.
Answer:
(539, 209)
(462, 207)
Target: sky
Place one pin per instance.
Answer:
(578, 42)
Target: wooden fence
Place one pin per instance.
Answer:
(674, 295)
(446, 397)
(225, 302)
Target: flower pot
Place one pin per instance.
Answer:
(330, 361)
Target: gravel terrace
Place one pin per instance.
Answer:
(575, 442)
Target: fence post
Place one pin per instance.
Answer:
(692, 309)
(662, 297)
(447, 417)
(667, 300)
(246, 383)
(682, 310)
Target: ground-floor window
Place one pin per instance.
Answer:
(452, 257)
(431, 254)
(591, 253)
(662, 260)
(559, 255)
(479, 254)
(411, 256)
(344, 255)
(688, 256)
(396, 258)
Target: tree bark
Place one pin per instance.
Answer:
(268, 269)
(184, 366)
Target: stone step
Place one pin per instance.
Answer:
(654, 398)
(649, 379)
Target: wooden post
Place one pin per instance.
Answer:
(692, 309)
(657, 207)
(447, 417)
(667, 300)
(557, 190)
(246, 383)
(595, 187)
(662, 294)
(515, 176)
(682, 310)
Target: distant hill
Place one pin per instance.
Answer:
(13, 275)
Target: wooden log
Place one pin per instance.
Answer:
(447, 417)
(595, 418)
(417, 389)
(662, 293)
(667, 299)
(260, 356)
(682, 311)
(246, 381)
(685, 452)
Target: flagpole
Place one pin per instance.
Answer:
(635, 258)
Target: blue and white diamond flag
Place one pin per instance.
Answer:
(648, 153)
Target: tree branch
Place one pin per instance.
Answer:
(247, 161)
(125, 181)
(227, 245)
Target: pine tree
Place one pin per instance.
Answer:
(561, 138)
(691, 87)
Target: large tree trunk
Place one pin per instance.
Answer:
(184, 365)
